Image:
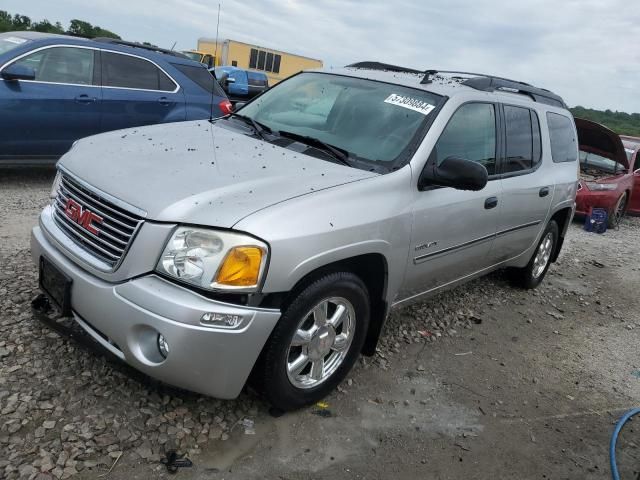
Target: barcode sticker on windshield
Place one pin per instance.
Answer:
(414, 104)
(14, 40)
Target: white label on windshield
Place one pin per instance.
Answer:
(15, 40)
(414, 104)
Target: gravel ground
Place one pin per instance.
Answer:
(484, 381)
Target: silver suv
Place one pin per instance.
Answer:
(268, 246)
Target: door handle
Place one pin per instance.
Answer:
(490, 203)
(544, 191)
(164, 101)
(84, 98)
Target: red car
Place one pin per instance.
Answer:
(632, 147)
(606, 177)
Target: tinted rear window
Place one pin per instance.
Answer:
(257, 79)
(564, 146)
(126, 71)
(523, 139)
(201, 77)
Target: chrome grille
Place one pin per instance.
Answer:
(116, 231)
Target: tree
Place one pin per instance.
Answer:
(80, 28)
(21, 22)
(47, 27)
(6, 22)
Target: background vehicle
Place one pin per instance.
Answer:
(276, 250)
(202, 57)
(276, 64)
(244, 85)
(606, 179)
(55, 89)
(632, 147)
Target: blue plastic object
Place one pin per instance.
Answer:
(596, 221)
(614, 439)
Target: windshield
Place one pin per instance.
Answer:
(591, 160)
(9, 42)
(193, 56)
(369, 120)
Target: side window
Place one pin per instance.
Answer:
(470, 134)
(523, 139)
(564, 147)
(202, 77)
(126, 71)
(62, 65)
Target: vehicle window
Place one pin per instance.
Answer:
(637, 166)
(126, 71)
(470, 134)
(61, 65)
(564, 147)
(523, 139)
(201, 77)
(10, 41)
(257, 79)
(589, 161)
(373, 121)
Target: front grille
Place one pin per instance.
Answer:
(115, 232)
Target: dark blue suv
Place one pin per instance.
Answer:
(55, 89)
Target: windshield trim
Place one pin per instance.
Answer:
(412, 145)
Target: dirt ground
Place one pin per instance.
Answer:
(483, 382)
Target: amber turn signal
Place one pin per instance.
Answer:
(240, 267)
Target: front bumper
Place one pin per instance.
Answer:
(587, 199)
(126, 318)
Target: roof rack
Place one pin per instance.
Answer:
(490, 83)
(151, 48)
(479, 81)
(383, 66)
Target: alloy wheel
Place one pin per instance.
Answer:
(543, 255)
(321, 342)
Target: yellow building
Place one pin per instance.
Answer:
(276, 64)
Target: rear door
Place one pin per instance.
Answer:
(527, 184)
(41, 118)
(136, 91)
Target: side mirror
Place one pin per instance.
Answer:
(18, 72)
(229, 80)
(455, 172)
(637, 172)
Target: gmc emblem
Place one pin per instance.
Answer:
(83, 217)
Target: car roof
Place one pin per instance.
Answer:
(44, 39)
(450, 84)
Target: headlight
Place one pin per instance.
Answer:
(601, 186)
(215, 260)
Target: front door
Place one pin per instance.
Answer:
(136, 92)
(453, 230)
(527, 184)
(41, 118)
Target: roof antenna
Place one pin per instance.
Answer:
(173, 46)
(215, 61)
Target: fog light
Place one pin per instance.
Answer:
(163, 346)
(224, 320)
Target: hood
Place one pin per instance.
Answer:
(198, 172)
(598, 139)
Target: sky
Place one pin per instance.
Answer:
(587, 51)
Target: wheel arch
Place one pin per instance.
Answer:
(563, 218)
(373, 270)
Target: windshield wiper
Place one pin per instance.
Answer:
(338, 153)
(257, 127)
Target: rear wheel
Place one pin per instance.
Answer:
(531, 275)
(315, 343)
(615, 216)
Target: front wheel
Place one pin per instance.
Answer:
(618, 211)
(315, 343)
(531, 275)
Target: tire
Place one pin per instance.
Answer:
(618, 212)
(275, 376)
(530, 276)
